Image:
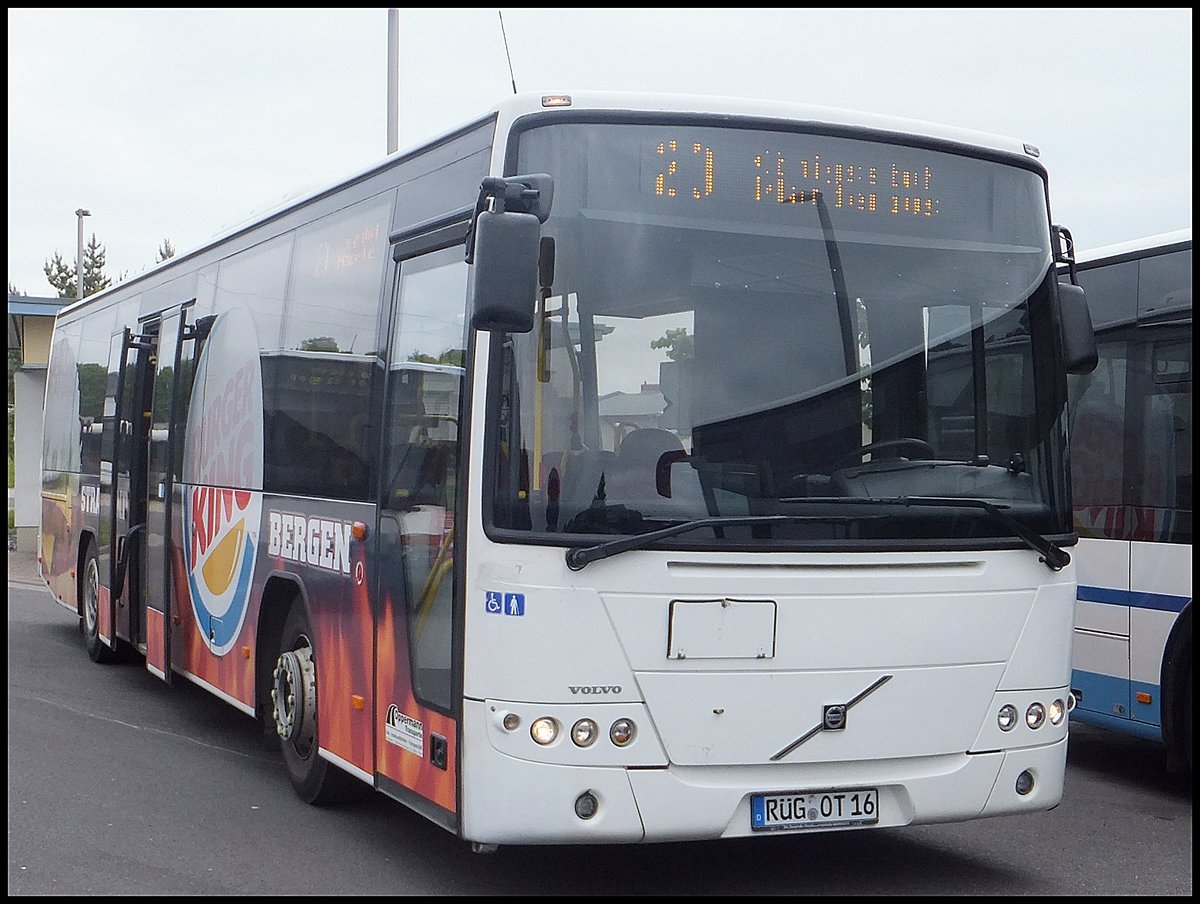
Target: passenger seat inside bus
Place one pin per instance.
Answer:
(633, 476)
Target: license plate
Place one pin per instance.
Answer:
(815, 809)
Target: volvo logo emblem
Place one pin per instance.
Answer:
(834, 717)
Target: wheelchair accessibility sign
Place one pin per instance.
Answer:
(504, 603)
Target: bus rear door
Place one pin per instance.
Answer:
(143, 481)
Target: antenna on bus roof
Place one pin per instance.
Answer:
(506, 53)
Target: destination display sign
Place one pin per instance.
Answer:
(775, 177)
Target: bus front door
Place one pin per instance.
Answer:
(416, 621)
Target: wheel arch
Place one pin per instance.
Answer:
(87, 538)
(282, 590)
(1177, 661)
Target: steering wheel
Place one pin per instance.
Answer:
(919, 446)
(923, 450)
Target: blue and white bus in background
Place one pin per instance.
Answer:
(1131, 473)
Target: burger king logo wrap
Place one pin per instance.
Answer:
(222, 475)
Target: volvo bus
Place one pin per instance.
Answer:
(609, 469)
(1131, 442)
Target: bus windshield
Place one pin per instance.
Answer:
(748, 322)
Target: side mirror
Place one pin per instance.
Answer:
(504, 248)
(1078, 336)
(506, 271)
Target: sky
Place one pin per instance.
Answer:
(177, 124)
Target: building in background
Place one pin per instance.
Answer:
(30, 325)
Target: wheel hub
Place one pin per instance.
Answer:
(295, 697)
(91, 604)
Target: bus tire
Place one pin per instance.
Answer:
(89, 596)
(294, 712)
(1187, 719)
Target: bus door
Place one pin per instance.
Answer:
(142, 467)
(107, 628)
(417, 672)
(131, 360)
(158, 491)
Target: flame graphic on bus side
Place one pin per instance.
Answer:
(341, 620)
(232, 675)
(394, 682)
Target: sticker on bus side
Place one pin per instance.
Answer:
(404, 731)
(497, 603)
(222, 461)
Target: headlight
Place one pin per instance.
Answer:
(584, 732)
(1058, 710)
(1035, 715)
(544, 730)
(1007, 717)
(622, 732)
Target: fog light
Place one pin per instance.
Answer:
(1007, 717)
(622, 732)
(544, 730)
(511, 721)
(1058, 712)
(1035, 715)
(1025, 782)
(584, 732)
(586, 805)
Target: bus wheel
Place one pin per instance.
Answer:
(294, 708)
(89, 592)
(1187, 720)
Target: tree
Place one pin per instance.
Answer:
(456, 357)
(319, 344)
(14, 364)
(61, 276)
(679, 344)
(64, 277)
(166, 252)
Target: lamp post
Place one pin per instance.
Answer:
(393, 81)
(80, 214)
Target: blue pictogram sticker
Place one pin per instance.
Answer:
(497, 603)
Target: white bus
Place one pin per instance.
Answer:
(1131, 476)
(611, 469)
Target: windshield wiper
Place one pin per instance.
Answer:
(1055, 557)
(580, 556)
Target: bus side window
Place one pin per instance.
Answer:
(1097, 432)
(1162, 482)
